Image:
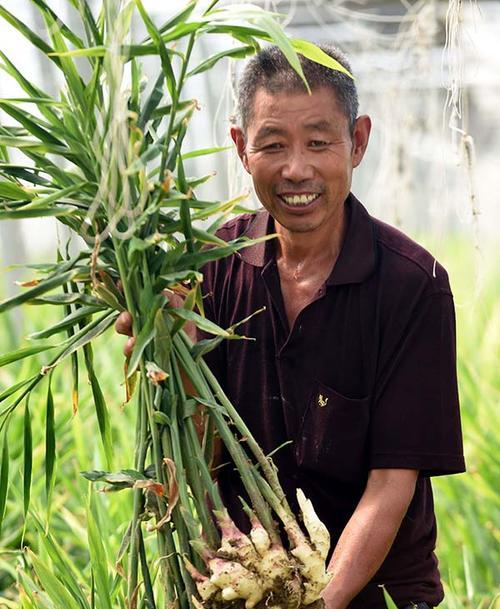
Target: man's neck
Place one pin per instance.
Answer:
(316, 247)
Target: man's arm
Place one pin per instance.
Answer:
(369, 534)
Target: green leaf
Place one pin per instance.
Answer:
(180, 276)
(87, 334)
(57, 591)
(57, 195)
(236, 53)
(69, 321)
(23, 172)
(15, 356)
(100, 407)
(43, 287)
(152, 102)
(64, 299)
(50, 445)
(180, 18)
(204, 151)
(160, 44)
(98, 558)
(145, 336)
(61, 562)
(28, 458)
(4, 475)
(15, 388)
(198, 259)
(25, 31)
(162, 341)
(36, 212)
(13, 191)
(314, 53)
(204, 346)
(30, 123)
(201, 322)
(388, 599)
(33, 91)
(65, 30)
(69, 70)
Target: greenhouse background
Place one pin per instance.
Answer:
(417, 173)
(431, 83)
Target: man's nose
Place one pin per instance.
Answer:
(297, 167)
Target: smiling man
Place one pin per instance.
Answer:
(352, 373)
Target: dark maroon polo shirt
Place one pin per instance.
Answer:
(365, 379)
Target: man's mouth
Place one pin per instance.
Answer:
(299, 200)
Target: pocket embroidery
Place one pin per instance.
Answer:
(322, 401)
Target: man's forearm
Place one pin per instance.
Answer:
(369, 534)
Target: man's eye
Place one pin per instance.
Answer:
(273, 146)
(318, 144)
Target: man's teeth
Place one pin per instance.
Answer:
(299, 199)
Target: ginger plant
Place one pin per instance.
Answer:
(106, 160)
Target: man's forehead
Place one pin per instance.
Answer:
(273, 111)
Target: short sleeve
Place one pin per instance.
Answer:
(415, 420)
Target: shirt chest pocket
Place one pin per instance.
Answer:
(333, 438)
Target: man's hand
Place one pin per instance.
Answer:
(369, 534)
(123, 323)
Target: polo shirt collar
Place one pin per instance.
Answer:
(357, 257)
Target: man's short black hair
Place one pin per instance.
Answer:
(270, 70)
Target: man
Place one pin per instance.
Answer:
(354, 358)
(351, 378)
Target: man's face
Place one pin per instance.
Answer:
(300, 155)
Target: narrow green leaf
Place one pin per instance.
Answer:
(201, 322)
(62, 563)
(236, 53)
(388, 599)
(64, 299)
(33, 91)
(204, 346)
(163, 341)
(98, 557)
(314, 53)
(15, 388)
(181, 276)
(100, 407)
(37, 212)
(145, 336)
(152, 102)
(180, 18)
(65, 30)
(69, 321)
(58, 195)
(28, 458)
(43, 287)
(162, 49)
(4, 475)
(30, 123)
(69, 70)
(50, 445)
(35, 145)
(198, 259)
(15, 356)
(87, 334)
(204, 151)
(56, 590)
(25, 31)
(23, 172)
(13, 191)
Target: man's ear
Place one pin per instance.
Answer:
(360, 137)
(239, 140)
